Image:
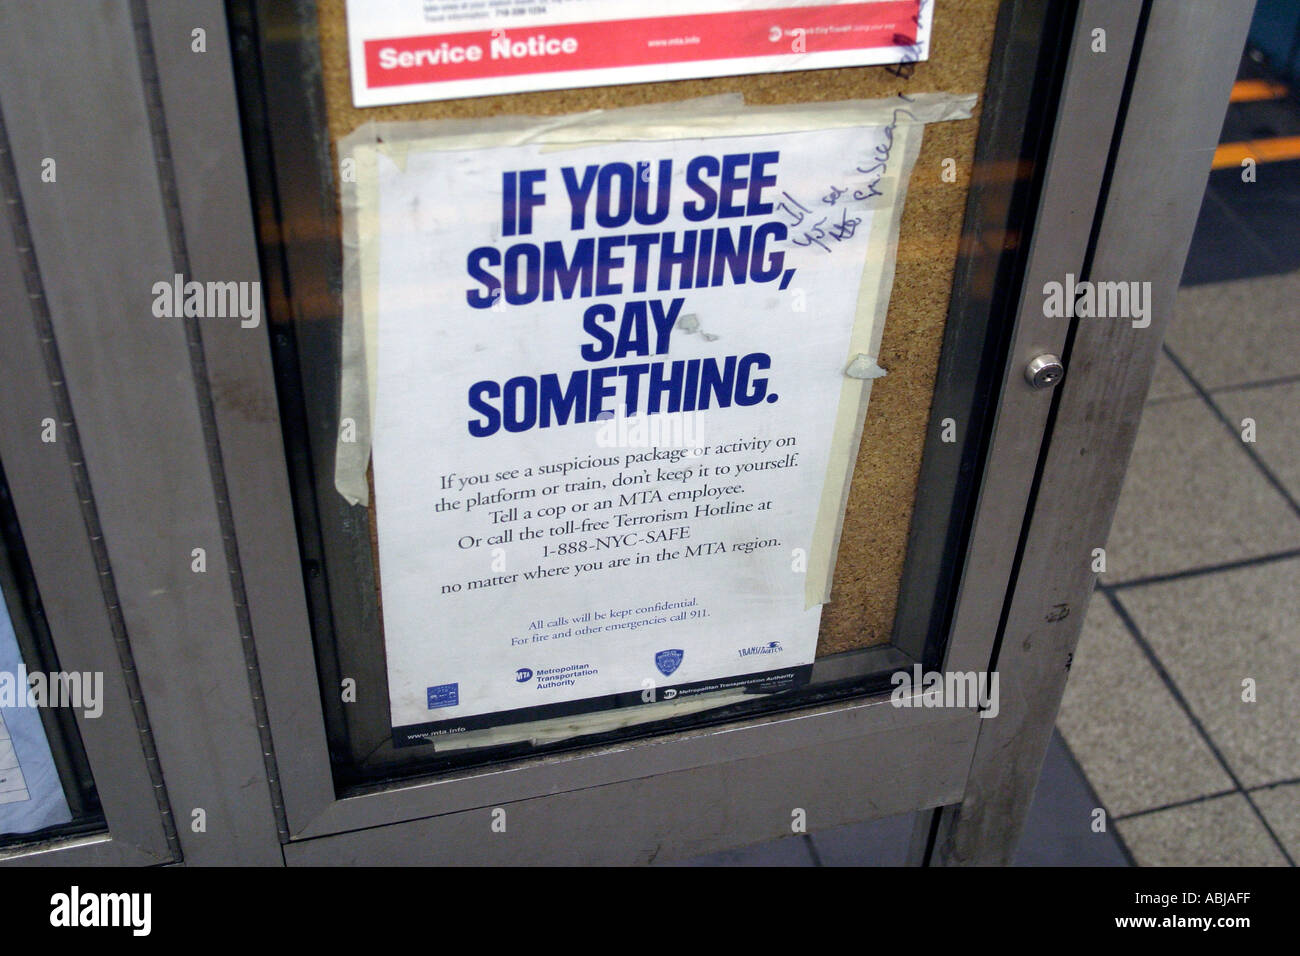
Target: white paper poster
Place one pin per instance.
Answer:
(405, 51)
(612, 424)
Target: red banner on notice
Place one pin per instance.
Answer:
(478, 54)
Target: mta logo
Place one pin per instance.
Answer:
(668, 661)
(522, 675)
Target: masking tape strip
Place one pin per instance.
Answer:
(855, 393)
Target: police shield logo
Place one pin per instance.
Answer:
(669, 661)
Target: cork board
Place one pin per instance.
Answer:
(878, 513)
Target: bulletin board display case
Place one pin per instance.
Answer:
(960, 249)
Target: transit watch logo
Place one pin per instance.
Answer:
(668, 661)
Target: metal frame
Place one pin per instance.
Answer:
(742, 785)
(657, 759)
(1011, 159)
(517, 780)
(135, 447)
(1160, 162)
(1085, 126)
(180, 447)
(58, 545)
(59, 532)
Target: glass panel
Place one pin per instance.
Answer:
(891, 602)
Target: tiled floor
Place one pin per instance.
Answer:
(1197, 613)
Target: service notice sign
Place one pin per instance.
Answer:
(405, 51)
(612, 422)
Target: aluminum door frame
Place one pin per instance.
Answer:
(114, 510)
(905, 757)
(75, 597)
(58, 514)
